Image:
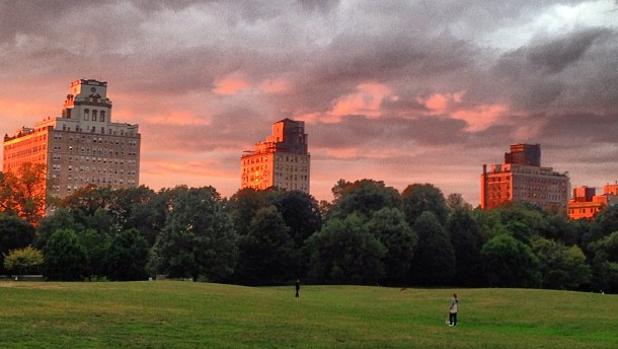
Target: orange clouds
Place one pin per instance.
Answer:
(478, 117)
(366, 100)
(231, 85)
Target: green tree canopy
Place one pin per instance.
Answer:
(198, 239)
(15, 233)
(127, 256)
(467, 242)
(434, 258)
(364, 197)
(389, 226)
(345, 252)
(510, 263)
(301, 214)
(65, 257)
(267, 254)
(418, 198)
(561, 267)
(24, 261)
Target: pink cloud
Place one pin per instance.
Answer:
(231, 85)
(366, 100)
(478, 117)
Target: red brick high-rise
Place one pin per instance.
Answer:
(521, 178)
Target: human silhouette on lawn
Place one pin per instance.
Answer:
(298, 289)
(452, 311)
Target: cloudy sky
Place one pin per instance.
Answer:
(402, 91)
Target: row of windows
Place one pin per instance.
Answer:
(102, 130)
(26, 142)
(96, 116)
(58, 136)
(584, 210)
(74, 187)
(94, 159)
(97, 151)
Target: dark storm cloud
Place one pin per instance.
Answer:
(388, 132)
(554, 56)
(563, 71)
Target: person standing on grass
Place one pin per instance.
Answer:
(298, 289)
(452, 311)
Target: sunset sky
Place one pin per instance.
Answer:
(402, 91)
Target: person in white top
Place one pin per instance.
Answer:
(452, 311)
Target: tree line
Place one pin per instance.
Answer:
(369, 234)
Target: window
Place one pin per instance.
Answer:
(94, 115)
(102, 116)
(86, 114)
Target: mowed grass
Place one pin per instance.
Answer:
(167, 314)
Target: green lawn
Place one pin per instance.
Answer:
(166, 314)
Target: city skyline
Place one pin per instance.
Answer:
(428, 102)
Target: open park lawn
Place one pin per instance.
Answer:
(168, 314)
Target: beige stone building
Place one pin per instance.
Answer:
(281, 161)
(81, 147)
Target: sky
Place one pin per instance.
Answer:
(400, 91)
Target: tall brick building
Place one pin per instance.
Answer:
(81, 147)
(521, 178)
(282, 160)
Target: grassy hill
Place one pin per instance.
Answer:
(168, 314)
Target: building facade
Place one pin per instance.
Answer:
(81, 147)
(521, 178)
(282, 160)
(585, 204)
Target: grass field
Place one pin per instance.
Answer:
(166, 314)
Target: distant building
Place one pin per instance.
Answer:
(521, 178)
(281, 161)
(585, 204)
(81, 147)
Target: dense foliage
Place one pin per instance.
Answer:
(369, 234)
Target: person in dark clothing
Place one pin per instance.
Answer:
(298, 289)
(452, 311)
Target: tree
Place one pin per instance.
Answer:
(467, 242)
(559, 228)
(455, 201)
(23, 192)
(509, 262)
(15, 233)
(389, 226)
(267, 252)
(604, 224)
(244, 204)
(364, 196)
(61, 219)
(198, 239)
(434, 259)
(23, 261)
(605, 263)
(344, 252)
(96, 244)
(561, 267)
(418, 198)
(137, 208)
(127, 256)
(301, 214)
(65, 257)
